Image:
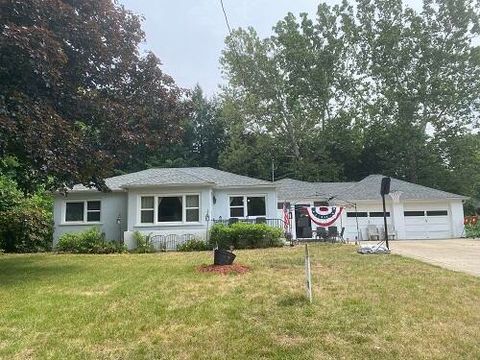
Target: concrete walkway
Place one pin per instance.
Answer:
(454, 254)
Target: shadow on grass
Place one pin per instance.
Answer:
(293, 300)
(15, 270)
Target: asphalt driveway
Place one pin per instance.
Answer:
(454, 254)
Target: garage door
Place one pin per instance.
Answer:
(427, 224)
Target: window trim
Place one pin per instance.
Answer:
(436, 212)
(378, 214)
(245, 205)
(357, 214)
(184, 221)
(414, 213)
(85, 213)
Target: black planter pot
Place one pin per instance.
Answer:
(223, 257)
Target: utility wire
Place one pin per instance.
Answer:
(226, 18)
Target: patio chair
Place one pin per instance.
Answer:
(391, 233)
(322, 233)
(260, 220)
(373, 233)
(171, 241)
(332, 233)
(158, 242)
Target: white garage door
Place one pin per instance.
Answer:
(427, 223)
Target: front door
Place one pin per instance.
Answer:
(303, 225)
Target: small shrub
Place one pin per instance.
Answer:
(472, 230)
(245, 236)
(143, 243)
(91, 241)
(194, 245)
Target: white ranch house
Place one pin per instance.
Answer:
(181, 201)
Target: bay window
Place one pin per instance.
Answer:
(169, 209)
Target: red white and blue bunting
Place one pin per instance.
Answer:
(324, 215)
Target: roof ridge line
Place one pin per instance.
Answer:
(182, 170)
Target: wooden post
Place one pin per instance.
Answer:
(308, 274)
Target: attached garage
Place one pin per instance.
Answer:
(413, 211)
(427, 222)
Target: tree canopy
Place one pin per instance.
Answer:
(367, 87)
(76, 96)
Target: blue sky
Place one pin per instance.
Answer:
(188, 35)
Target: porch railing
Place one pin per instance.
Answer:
(279, 223)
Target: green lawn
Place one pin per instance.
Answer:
(156, 306)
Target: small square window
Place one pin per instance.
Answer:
(147, 202)
(146, 216)
(74, 211)
(93, 216)
(236, 212)
(93, 205)
(192, 215)
(192, 201)
(236, 201)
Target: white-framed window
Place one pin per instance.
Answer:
(83, 211)
(192, 208)
(163, 209)
(147, 209)
(247, 205)
(237, 206)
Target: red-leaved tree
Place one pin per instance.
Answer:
(76, 96)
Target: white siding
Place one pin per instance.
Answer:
(113, 205)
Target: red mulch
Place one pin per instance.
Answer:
(224, 269)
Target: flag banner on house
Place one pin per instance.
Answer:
(324, 215)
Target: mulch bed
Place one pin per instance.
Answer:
(224, 269)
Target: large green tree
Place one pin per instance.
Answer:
(297, 88)
(422, 71)
(201, 140)
(76, 97)
(371, 88)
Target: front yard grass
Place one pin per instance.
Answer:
(157, 306)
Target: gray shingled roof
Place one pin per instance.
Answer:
(178, 176)
(291, 189)
(366, 189)
(369, 189)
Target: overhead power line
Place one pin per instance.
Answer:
(226, 18)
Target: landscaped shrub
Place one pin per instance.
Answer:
(26, 222)
(245, 236)
(194, 245)
(26, 228)
(91, 241)
(143, 243)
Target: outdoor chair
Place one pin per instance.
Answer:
(260, 220)
(322, 233)
(171, 241)
(158, 242)
(391, 233)
(373, 233)
(332, 233)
